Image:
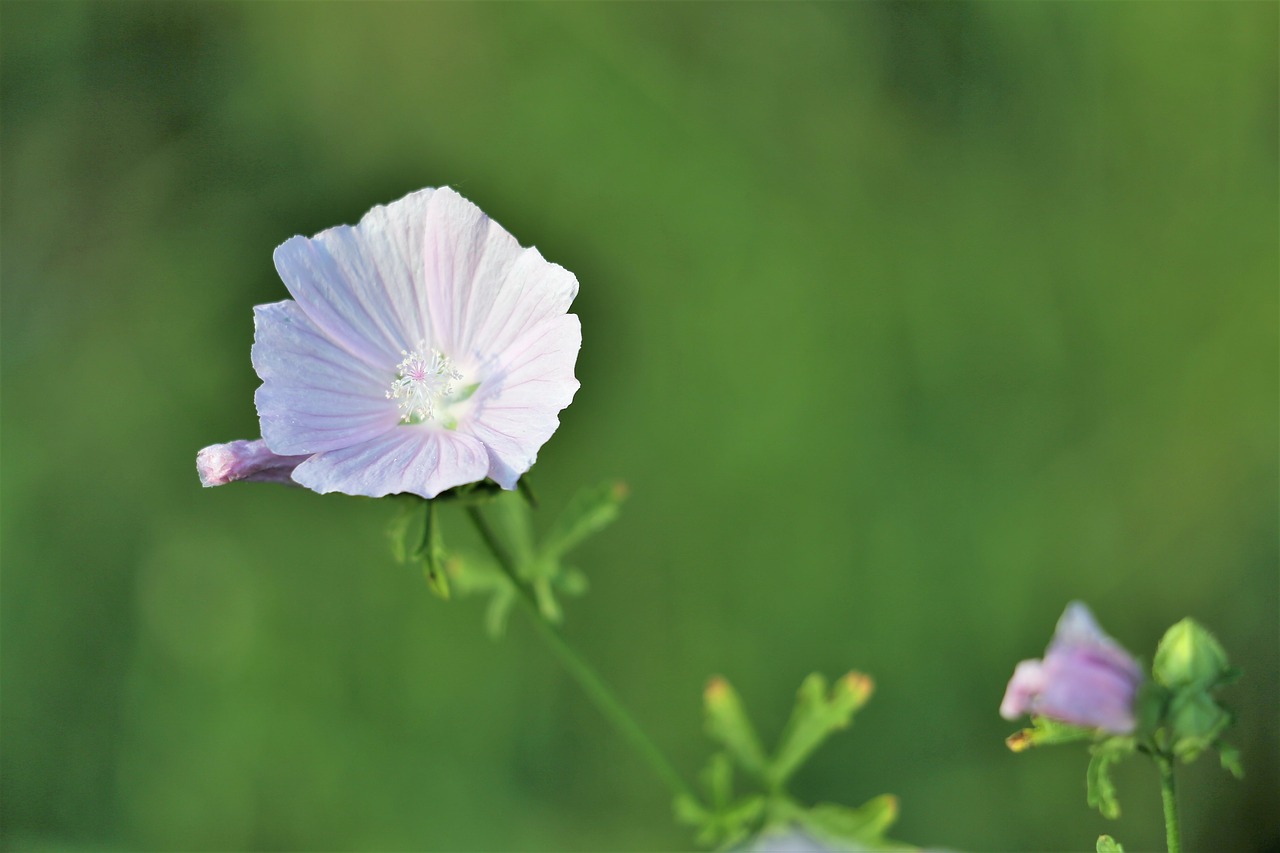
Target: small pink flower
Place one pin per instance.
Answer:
(423, 349)
(1085, 679)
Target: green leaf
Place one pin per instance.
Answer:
(1230, 758)
(590, 510)
(513, 519)
(1107, 844)
(498, 611)
(1102, 790)
(1189, 656)
(547, 604)
(1047, 732)
(726, 821)
(728, 725)
(717, 778)
(863, 826)
(815, 717)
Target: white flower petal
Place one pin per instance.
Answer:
(364, 285)
(518, 405)
(315, 395)
(485, 290)
(417, 459)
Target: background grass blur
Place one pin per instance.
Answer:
(905, 323)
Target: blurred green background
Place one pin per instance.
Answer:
(906, 324)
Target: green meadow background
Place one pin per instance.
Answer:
(906, 324)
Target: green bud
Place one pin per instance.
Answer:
(727, 724)
(1189, 656)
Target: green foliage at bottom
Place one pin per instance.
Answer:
(726, 819)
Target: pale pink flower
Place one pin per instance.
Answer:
(423, 349)
(1085, 679)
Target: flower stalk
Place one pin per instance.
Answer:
(1168, 796)
(588, 679)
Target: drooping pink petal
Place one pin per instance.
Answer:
(517, 407)
(484, 290)
(220, 464)
(417, 459)
(363, 285)
(315, 395)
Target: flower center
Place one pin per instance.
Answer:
(424, 380)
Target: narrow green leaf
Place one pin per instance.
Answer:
(498, 611)
(728, 725)
(1101, 789)
(815, 717)
(511, 515)
(590, 510)
(547, 604)
(717, 778)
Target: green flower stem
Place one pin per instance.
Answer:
(586, 677)
(1167, 795)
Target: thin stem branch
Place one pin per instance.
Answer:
(587, 678)
(1168, 796)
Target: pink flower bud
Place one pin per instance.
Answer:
(1085, 679)
(220, 464)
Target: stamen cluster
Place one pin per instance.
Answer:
(423, 380)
